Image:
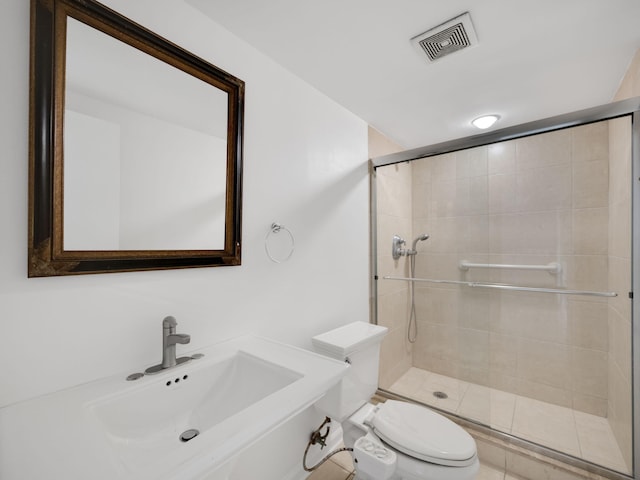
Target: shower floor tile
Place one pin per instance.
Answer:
(577, 433)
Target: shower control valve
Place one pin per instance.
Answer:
(396, 247)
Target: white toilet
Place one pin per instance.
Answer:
(392, 440)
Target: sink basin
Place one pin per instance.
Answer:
(180, 424)
(149, 421)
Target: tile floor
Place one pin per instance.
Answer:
(579, 434)
(340, 467)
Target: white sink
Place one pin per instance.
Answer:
(114, 429)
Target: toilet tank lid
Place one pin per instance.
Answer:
(343, 341)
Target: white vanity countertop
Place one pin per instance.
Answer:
(62, 436)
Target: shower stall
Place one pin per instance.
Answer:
(513, 307)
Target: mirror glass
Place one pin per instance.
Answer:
(135, 148)
(144, 151)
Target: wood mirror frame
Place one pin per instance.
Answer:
(47, 256)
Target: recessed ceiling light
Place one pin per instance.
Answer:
(485, 121)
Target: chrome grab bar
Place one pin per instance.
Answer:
(553, 267)
(501, 286)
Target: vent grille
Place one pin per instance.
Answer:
(450, 37)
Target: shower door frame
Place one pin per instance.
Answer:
(610, 111)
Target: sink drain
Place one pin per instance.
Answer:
(440, 395)
(189, 435)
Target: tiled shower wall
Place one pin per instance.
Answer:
(534, 200)
(619, 313)
(393, 191)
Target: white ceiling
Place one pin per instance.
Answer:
(534, 59)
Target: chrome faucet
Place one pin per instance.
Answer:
(169, 340)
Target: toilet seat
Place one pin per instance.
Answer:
(423, 434)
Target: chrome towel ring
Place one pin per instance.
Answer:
(277, 247)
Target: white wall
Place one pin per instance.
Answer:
(305, 166)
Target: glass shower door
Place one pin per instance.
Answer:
(520, 292)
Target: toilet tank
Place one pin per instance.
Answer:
(358, 344)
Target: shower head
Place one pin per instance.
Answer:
(419, 238)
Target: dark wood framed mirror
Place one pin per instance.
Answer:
(135, 158)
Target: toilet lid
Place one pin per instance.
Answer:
(423, 434)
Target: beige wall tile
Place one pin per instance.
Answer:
(544, 232)
(421, 172)
(589, 372)
(504, 383)
(504, 233)
(443, 168)
(590, 142)
(437, 306)
(502, 193)
(393, 195)
(443, 266)
(471, 162)
(443, 199)
(620, 343)
(393, 310)
(473, 234)
(544, 189)
(503, 354)
(591, 231)
(620, 282)
(591, 184)
(474, 309)
(588, 325)
(444, 235)
(472, 196)
(589, 404)
(587, 272)
(620, 411)
(620, 229)
(620, 160)
(501, 158)
(619, 391)
(544, 362)
(544, 150)
(387, 266)
(421, 201)
(545, 393)
(503, 318)
(473, 349)
(395, 357)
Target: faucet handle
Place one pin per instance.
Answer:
(169, 322)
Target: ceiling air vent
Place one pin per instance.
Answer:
(450, 37)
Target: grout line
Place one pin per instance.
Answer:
(575, 425)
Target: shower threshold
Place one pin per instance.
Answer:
(571, 432)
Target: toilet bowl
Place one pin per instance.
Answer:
(427, 445)
(393, 440)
